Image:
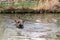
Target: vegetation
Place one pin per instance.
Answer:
(35, 4)
(3, 5)
(24, 4)
(27, 4)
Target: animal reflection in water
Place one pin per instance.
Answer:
(19, 23)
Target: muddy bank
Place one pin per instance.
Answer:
(27, 10)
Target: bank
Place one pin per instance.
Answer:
(27, 10)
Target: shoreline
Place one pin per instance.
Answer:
(28, 10)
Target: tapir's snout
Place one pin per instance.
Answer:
(20, 26)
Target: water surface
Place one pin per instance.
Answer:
(36, 27)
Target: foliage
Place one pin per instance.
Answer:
(23, 4)
(27, 4)
(3, 5)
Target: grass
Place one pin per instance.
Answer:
(25, 4)
(3, 5)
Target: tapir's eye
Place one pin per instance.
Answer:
(18, 22)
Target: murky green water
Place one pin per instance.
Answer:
(37, 27)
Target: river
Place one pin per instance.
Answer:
(36, 27)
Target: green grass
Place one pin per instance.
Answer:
(3, 5)
(25, 4)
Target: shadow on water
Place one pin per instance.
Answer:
(37, 26)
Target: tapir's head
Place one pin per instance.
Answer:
(19, 23)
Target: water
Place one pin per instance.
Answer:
(36, 27)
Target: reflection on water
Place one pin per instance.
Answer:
(36, 27)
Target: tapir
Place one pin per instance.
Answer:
(19, 23)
